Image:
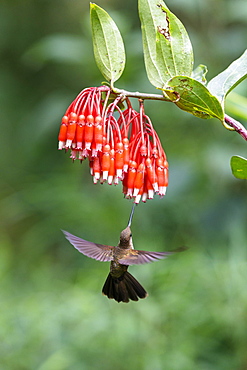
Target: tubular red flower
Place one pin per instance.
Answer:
(120, 145)
(82, 120)
(150, 173)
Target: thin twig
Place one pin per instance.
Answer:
(238, 127)
(139, 95)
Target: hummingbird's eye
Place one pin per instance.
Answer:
(130, 235)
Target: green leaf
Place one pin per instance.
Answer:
(199, 73)
(236, 105)
(167, 47)
(194, 98)
(173, 47)
(150, 16)
(227, 80)
(239, 167)
(107, 44)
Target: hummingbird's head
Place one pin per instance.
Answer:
(126, 237)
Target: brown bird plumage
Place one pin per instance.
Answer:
(120, 284)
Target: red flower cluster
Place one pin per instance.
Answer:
(124, 149)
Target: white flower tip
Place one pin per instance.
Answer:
(162, 191)
(97, 175)
(129, 193)
(155, 187)
(95, 179)
(73, 154)
(81, 156)
(144, 197)
(116, 180)
(135, 192)
(94, 153)
(85, 153)
(98, 147)
(110, 179)
(68, 143)
(137, 199)
(105, 175)
(61, 145)
(119, 173)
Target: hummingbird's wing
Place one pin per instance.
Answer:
(136, 257)
(100, 252)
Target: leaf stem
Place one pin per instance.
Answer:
(238, 127)
(139, 95)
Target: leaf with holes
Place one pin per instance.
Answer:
(194, 97)
(167, 47)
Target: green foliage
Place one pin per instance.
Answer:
(168, 55)
(194, 98)
(166, 45)
(239, 167)
(199, 73)
(108, 44)
(227, 80)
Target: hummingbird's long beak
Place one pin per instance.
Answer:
(131, 214)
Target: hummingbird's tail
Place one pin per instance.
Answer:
(124, 288)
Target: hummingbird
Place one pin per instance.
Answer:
(120, 284)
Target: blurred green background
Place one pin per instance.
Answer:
(52, 313)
